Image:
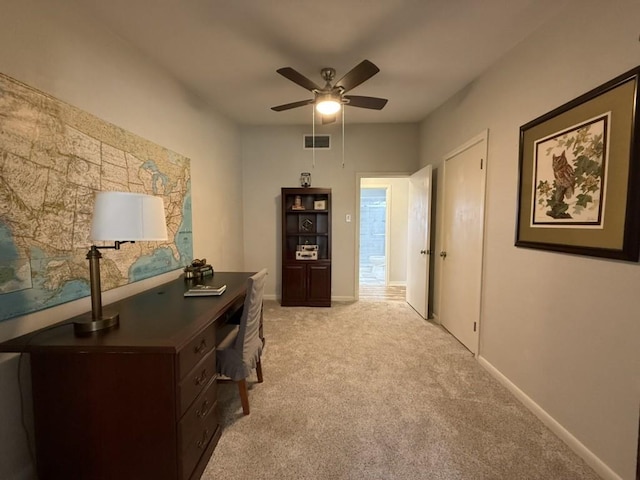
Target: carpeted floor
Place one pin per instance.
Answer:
(369, 390)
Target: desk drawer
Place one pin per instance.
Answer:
(192, 452)
(196, 349)
(193, 420)
(196, 381)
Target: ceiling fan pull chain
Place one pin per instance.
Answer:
(343, 137)
(313, 135)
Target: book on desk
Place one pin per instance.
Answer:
(205, 290)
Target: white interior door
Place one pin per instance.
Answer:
(462, 240)
(419, 228)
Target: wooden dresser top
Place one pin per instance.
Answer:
(160, 319)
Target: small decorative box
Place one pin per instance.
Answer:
(306, 255)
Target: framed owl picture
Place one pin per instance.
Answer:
(579, 175)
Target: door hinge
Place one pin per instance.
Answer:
(481, 162)
(475, 324)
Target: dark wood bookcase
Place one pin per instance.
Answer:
(306, 247)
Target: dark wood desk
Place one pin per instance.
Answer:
(135, 402)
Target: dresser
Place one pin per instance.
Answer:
(138, 401)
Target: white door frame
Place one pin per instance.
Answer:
(468, 144)
(359, 177)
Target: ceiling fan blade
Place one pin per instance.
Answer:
(358, 74)
(297, 77)
(288, 106)
(373, 103)
(328, 119)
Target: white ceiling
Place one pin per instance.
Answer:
(226, 52)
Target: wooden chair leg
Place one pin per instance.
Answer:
(244, 396)
(259, 370)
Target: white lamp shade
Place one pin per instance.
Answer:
(126, 216)
(328, 107)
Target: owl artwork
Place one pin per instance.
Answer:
(568, 175)
(564, 177)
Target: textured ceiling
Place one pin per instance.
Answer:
(226, 52)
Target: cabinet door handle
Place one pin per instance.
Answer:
(203, 410)
(202, 379)
(200, 348)
(203, 441)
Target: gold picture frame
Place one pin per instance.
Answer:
(579, 175)
(320, 205)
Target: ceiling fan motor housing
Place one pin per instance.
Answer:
(328, 74)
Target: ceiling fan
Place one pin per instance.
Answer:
(330, 98)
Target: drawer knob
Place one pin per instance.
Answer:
(204, 409)
(202, 379)
(201, 348)
(203, 441)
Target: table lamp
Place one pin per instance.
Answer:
(118, 217)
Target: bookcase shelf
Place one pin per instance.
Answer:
(305, 227)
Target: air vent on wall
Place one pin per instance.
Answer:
(320, 141)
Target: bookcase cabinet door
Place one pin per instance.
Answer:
(294, 285)
(319, 284)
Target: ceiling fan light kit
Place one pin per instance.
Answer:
(328, 106)
(329, 99)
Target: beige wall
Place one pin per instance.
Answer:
(68, 56)
(273, 157)
(563, 329)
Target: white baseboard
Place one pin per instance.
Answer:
(592, 460)
(397, 283)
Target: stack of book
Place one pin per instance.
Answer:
(205, 290)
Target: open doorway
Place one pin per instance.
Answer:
(373, 235)
(382, 237)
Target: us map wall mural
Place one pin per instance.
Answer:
(53, 158)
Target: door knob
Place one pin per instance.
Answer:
(443, 254)
(423, 252)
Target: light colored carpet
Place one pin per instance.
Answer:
(369, 390)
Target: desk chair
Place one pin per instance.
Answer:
(239, 351)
